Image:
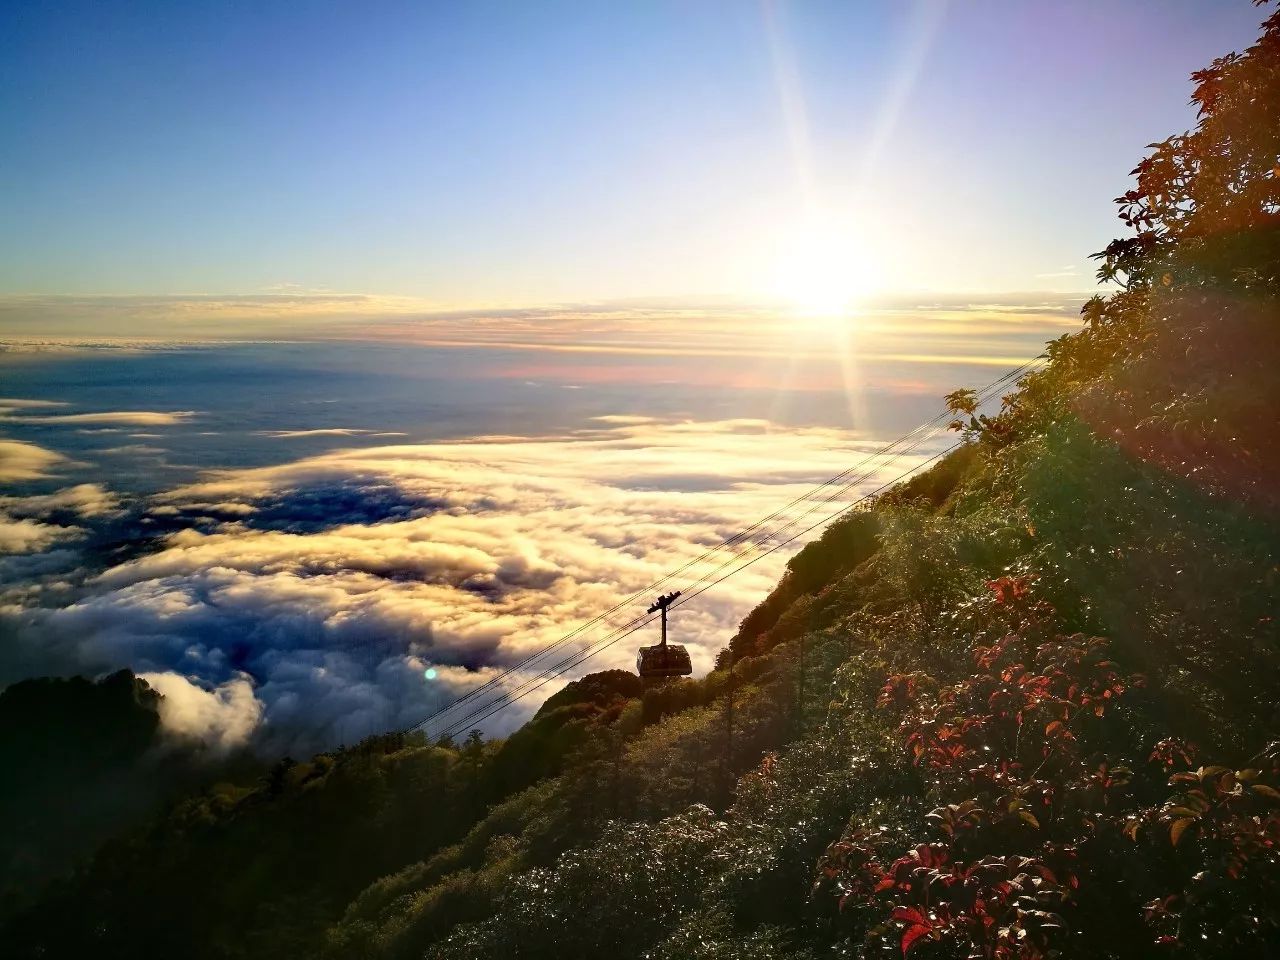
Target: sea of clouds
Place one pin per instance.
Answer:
(285, 537)
(298, 605)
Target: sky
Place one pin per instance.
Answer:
(520, 153)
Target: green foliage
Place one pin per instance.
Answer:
(262, 863)
(843, 546)
(711, 935)
(739, 871)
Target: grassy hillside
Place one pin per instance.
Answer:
(1025, 706)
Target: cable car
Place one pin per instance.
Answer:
(663, 660)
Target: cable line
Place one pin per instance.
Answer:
(638, 622)
(539, 680)
(841, 483)
(481, 715)
(549, 672)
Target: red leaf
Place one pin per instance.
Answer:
(912, 936)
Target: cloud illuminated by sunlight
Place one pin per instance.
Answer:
(302, 604)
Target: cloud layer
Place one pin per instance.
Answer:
(221, 719)
(28, 536)
(132, 418)
(299, 605)
(20, 461)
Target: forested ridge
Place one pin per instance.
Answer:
(1025, 706)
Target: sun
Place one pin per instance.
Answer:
(822, 271)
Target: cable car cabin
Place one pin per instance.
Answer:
(663, 660)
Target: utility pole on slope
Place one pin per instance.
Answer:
(728, 751)
(800, 689)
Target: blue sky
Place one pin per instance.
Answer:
(544, 152)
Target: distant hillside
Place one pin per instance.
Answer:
(1024, 707)
(82, 760)
(61, 740)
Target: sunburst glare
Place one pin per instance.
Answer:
(823, 271)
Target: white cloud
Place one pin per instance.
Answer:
(10, 405)
(136, 418)
(222, 718)
(335, 580)
(326, 432)
(887, 329)
(83, 499)
(29, 536)
(134, 450)
(1067, 271)
(26, 461)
